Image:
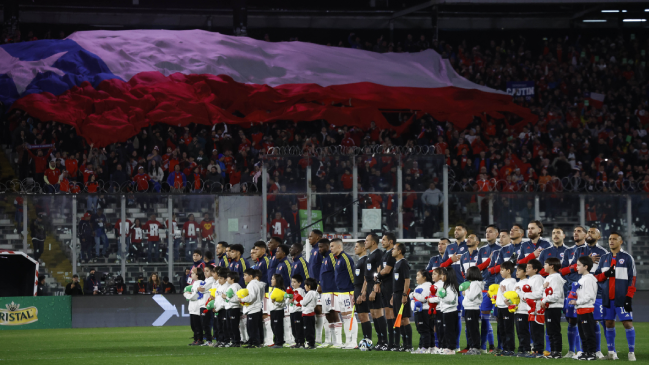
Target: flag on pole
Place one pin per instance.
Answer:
(397, 321)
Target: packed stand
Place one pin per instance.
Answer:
(576, 144)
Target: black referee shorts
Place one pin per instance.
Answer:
(377, 303)
(363, 307)
(386, 297)
(396, 299)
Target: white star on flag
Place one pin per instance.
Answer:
(23, 72)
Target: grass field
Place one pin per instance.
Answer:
(168, 345)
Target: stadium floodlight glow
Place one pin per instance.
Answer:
(634, 20)
(610, 11)
(594, 20)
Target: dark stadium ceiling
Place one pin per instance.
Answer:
(335, 14)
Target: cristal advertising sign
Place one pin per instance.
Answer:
(35, 312)
(16, 316)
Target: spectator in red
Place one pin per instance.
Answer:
(66, 186)
(153, 227)
(347, 180)
(278, 226)
(235, 179)
(141, 180)
(207, 233)
(51, 178)
(72, 167)
(195, 180)
(409, 197)
(40, 164)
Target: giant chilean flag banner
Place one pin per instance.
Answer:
(111, 84)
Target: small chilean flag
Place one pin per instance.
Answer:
(596, 100)
(111, 84)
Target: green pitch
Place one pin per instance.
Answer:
(168, 345)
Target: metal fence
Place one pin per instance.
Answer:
(348, 192)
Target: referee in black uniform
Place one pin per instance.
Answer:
(370, 292)
(400, 289)
(385, 277)
(362, 308)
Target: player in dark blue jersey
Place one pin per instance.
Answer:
(273, 243)
(221, 254)
(436, 261)
(616, 273)
(534, 233)
(283, 264)
(487, 252)
(300, 266)
(570, 257)
(327, 288)
(596, 252)
(344, 299)
(237, 263)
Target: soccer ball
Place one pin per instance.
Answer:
(365, 344)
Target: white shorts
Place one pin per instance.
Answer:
(328, 302)
(319, 302)
(344, 302)
(265, 307)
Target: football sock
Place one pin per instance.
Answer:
(367, 329)
(397, 336)
(319, 322)
(327, 331)
(338, 333)
(571, 337)
(610, 338)
(390, 329)
(381, 329)
(436, 340)
(598, 338)
(407, 332)
(547, 341)
(350, 334)
(577, 340)
(630, 338)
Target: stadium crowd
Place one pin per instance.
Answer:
(601, 144)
